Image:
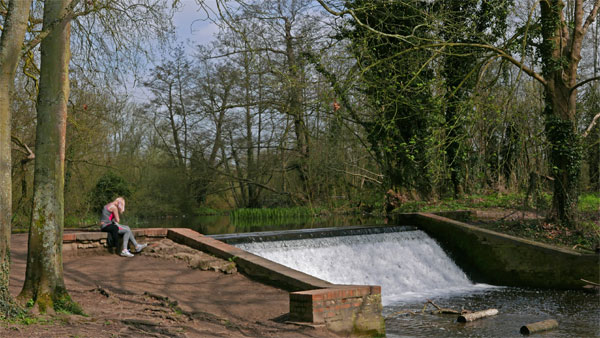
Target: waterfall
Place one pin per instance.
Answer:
(408, 265)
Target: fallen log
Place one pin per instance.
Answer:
(539, 326)
(589, 282)
(469, 317)
(441, 310)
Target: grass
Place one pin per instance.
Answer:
(205, 211)
(77, 221)
(589, 202)
(586, 235)
(465, 203)
(272, 213)
(586, 238)
(254, 217)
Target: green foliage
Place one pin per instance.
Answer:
(202, 210)
(464, 21)
(108, 187)
(255, 217)
(271, 213)
(397, 83)
(508, 201)
(566, 155)
(28, 319)
(540, 230)
(75, 221)
(589, 203)
(10, 310)
(64, 304)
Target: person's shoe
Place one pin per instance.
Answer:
(126, 253)
(140, 247)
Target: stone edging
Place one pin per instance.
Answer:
(93, 242)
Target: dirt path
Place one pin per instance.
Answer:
(157, 297)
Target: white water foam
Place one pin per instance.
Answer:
(408, 265)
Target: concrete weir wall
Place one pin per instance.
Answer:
(343, 309)
(495, 258)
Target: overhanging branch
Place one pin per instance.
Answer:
(591, 126)
(582, 83)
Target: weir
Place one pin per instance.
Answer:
(408, 265)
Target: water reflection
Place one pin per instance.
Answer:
(222, 224)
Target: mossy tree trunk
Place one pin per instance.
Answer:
(561, 54)
(15, 25)
(44, 283)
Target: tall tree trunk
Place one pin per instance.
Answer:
(594, 149)
(561, 53)
(296, 110)
(251, 165)
(44, 283)
(15, 25)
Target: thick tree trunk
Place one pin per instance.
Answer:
(15, 25)
(561, 53)
(44, 283)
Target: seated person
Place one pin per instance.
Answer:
(109, 222)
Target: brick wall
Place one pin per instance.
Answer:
(351, 309)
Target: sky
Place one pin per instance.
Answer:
(192, 28)
(191, 23)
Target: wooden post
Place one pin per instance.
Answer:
(539, 326)
(469, 317)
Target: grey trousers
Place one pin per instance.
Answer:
(127, 236)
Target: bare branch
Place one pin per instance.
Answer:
(591, 126)
(592, 16)
(360, 23)
(371, 179)
(596, 78)
(27, 151)
(69, 14)
(501, 53)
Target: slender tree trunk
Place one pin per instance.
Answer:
(455, 157)
(594, 149)
(15, 25)
(251, 171)
(296, 110)
(44, 283)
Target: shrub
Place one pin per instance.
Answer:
(108, 187)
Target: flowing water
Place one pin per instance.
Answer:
(411, 268)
